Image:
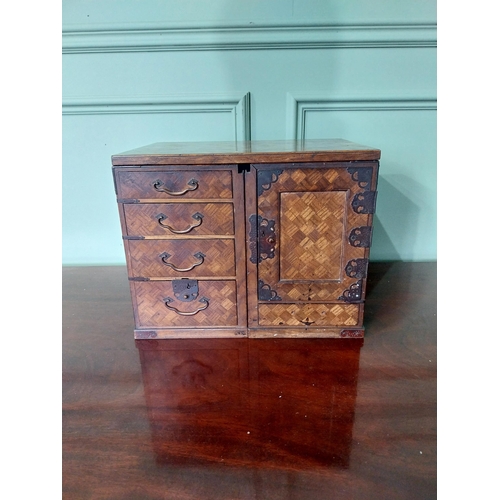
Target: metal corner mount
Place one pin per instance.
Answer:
(362, 175)
(266, 293)
(364, 203)
(352, 333)
(357, 268)
(353, 293)
(361, 237)
(265, 178)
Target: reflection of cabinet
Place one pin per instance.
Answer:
(304, 399)
(262, 238)
(280, 403)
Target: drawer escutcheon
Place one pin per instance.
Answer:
(185, 289)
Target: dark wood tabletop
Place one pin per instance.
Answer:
(226, 152)
(314, 419)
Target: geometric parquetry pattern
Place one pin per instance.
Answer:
(309, 266)
(311, 232)
(299, 180)
(146, 257)
(301, 292)
(308, 314)
(208, 184)
(142, 220)
(152, 312)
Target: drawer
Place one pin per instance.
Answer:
(182, 258)
(312, 315)
(175, 185)
(158, 307)
(174, 219)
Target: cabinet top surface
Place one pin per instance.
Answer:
(229, 152)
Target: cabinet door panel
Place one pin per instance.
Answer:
(312, 231)
(312, 225)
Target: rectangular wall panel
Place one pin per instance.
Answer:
(136, 73)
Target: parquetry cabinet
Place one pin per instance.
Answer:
(259, 239)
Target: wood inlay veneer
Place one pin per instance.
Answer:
(267, 238)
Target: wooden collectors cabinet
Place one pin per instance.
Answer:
(260, 238)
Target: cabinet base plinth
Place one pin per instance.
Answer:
(358, 332)
(199, 333)
(190, 333)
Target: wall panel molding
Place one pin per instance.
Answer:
(299, 105)
(236, 104)
(153, 38)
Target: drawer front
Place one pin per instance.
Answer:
(182, 258)
(157, 306)
(179, 219)
(312, 315)
(175, 185)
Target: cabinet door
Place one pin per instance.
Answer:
(309, 237)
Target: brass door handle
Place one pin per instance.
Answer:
(197, 216)
(183, 313)
(159, 186)
(198, 255)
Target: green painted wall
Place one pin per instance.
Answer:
(137, 72)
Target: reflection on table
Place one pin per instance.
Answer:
(275, 402)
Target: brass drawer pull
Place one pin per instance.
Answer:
(197, 216)
(192, 186)
(198, 255)
(182, 313)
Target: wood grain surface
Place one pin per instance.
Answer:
(174, 185)
(250, 418)
(227, 152)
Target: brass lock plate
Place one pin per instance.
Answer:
(185, 290)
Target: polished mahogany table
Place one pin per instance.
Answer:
(314, 419)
